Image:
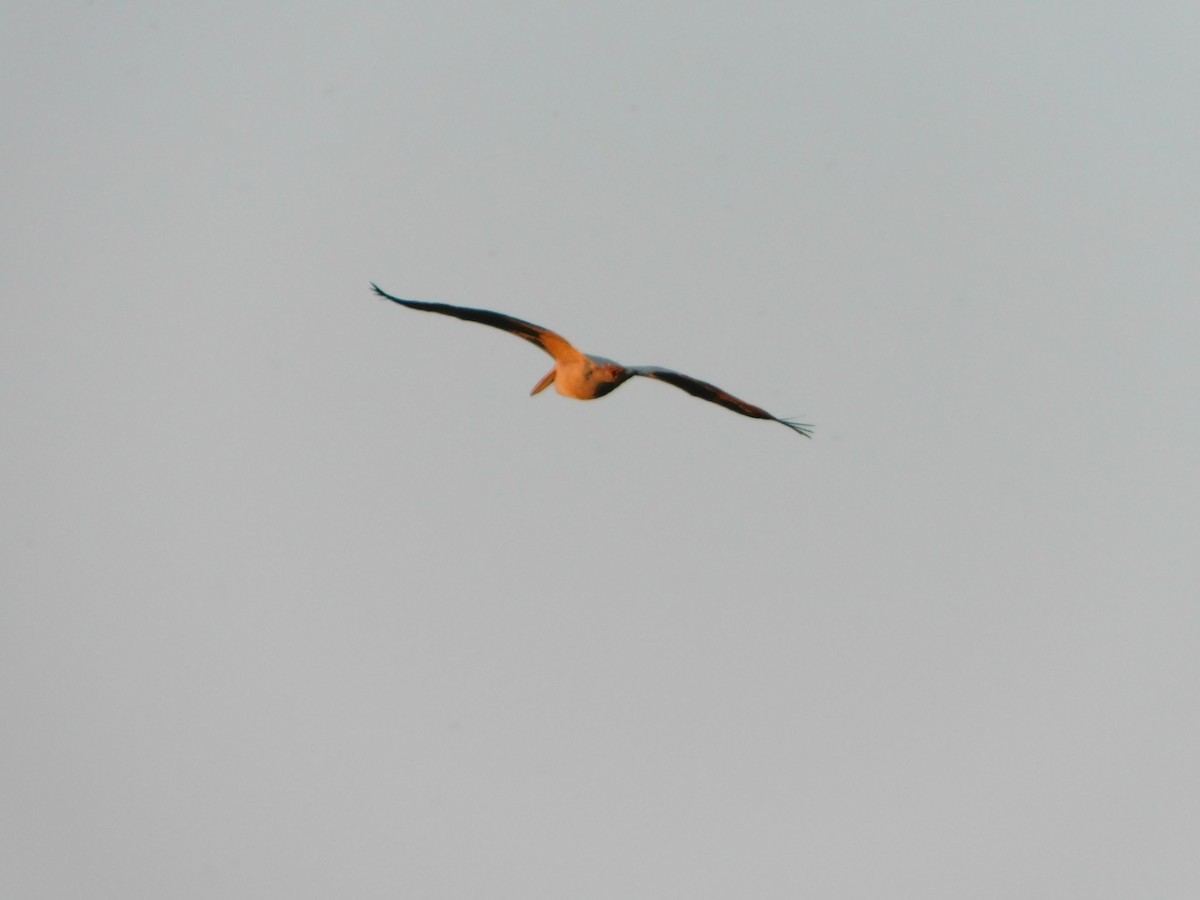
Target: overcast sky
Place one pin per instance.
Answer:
(301, 595)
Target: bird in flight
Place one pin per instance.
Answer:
(586, 377)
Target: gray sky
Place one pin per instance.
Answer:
(303, 596)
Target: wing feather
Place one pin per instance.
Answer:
(556, 345)
(714, 394)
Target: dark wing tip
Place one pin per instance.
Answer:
(798, 427)
(386, 296)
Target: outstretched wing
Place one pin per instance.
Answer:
(557, 346)
(714, 394)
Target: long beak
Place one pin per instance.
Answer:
(545, 382)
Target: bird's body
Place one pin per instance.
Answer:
(587, 377)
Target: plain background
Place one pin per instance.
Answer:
(302, 596)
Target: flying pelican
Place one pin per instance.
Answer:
(585, 377)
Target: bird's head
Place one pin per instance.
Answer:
(607, 375)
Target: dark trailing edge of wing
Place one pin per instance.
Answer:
(519, 327)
